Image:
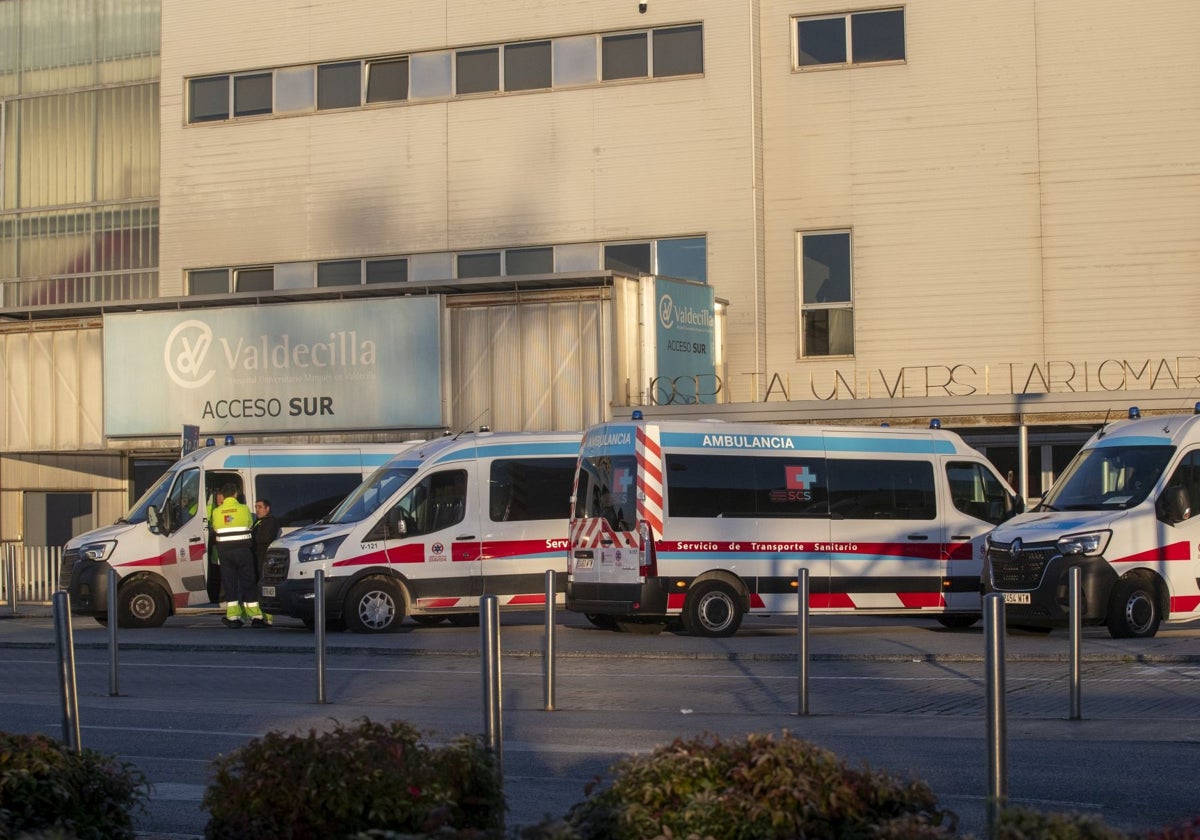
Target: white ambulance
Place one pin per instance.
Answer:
(705, 521)
(1124, 513)
(433, 531)
(160, 547)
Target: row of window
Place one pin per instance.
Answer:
(852, 38)
(684, 257)
(527, 65)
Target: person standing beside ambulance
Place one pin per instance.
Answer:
(231, 521)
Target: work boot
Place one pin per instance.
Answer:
(231, 623)
(258, 622)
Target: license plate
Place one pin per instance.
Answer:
(1016, 598)
(583, 563)
(268, 591)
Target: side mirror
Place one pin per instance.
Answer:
(153, 520)
(1175, 505)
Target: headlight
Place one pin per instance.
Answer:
(1091, 544)
(323, 550)
(98, 551)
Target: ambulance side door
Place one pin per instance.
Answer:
(978, 503)
(434, 534)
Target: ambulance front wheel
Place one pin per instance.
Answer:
(374, 605)
(1134, 611)
(713, 609)
(142, 603)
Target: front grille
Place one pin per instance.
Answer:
(275, 569)
(1022, 572)
(66, 568)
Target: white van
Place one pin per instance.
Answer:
(705, 521)
(1124, 513)
(433, 531)
(160, 547)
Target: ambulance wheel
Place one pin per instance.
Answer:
(142, 603)
(428, 620)
(1133, 610)
(713, 609)
(374, 605)
(601, 620)
(958, 621)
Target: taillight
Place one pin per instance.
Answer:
(649, 566)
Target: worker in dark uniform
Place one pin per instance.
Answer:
(266, 531)
(231, 521)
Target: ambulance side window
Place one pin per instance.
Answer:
(184, 500)
(878, 489)
(1179, 498)
(976, 491)
(438, 501)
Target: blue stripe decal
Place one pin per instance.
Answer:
(511, 450)
(916, 446)
(742, 442)
(353, 460)
(1132, 440)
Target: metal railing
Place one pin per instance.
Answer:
(28, 573)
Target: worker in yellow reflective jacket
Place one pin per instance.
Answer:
(231, 522)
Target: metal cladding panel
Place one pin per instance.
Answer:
(53, 390)
(537, 389)
(65, 394)
(91, 389)
(16, 392)
(507, 362)
(471, 365)
(567, 373)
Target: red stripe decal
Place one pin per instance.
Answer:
(372, 558)
(180, 599)
(527, 599)
(167, 558)
(436, 603)
(834, 601)
(1174, 551)
(675, 600)
(917, 600)
(1185, 603)
(756, 601)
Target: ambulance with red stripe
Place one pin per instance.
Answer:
(1124, 512)
(431, 532)
(705, 521)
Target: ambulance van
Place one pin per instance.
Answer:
(433, 531)
(160, 548)
(1124, 513)
(702, 522)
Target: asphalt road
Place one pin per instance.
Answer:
(901, 695)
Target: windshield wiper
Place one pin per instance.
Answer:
(1044, 506)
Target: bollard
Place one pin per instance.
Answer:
(493, 722)
(1075, 584)
(993, 626)
(10, 576)
(114, 689)
(802, 632)
(65, 643)
(319, 629)
(548, 653)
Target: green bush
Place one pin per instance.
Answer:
(760, 788)
(45, 787)
(1027, 824)
(353, 779)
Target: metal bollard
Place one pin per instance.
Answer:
(10, 576)
(114, 689)
(65, 643)
(319, 630)
(1075, 586)
(802, 632)
(548, 653)
(493, 720)
(997, 735)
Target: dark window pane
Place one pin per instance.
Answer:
(208, 99)
(340, 273)
(678, 51)
(214, 281)
(300, 500)
(529, 261)
(527, 66)
(479, 265)
(829, 332)
(683, 258)
(877, 36)
(821, 41)
(387, 271)
(624, 56)
(387, 81)
(826, 268)
(737, 486)
(256, 280)
(631, 259)
(531, 488)
(339, 85)
(607, 490)
(881, 489)
(477, 71)
(252, 95)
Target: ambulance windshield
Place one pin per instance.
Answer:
(1108, 478)
(372, 493)
(156, 495)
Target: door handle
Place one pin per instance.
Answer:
(196, 539)
(963, 537)
(465, 537)
(918, 536)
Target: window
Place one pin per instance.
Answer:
(339, 85)
(827, 313)
(527, 66)
(300, 500)
(211, 281)
(477, 71)
(340, 273)
(387, 81)
(387, 271)
(184, 500)
(678, 51)
(531, 488)
(870, 37)
(977, 492)
(529, 261)
(438, 502)
(479, 265)
(254, 280)
(430, 75)
(632, 258)
(1182, 493)
(575, 60)
(874, 489)
(710, 486)
(252, 94)
(624, 56)
(208, 99)
(607, 489)
(686, 259)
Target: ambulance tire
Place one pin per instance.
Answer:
(1133, 609)
(713, 610)
(374, 605)
(142, 603)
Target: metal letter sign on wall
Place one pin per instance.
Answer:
(285, 367)
(685, 333)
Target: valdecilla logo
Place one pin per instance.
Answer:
(666, 312)
(669, 314)
(184, 353)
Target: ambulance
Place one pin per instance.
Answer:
(1123, 512)
(701, 522)
(160, 547)
(432, 532)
